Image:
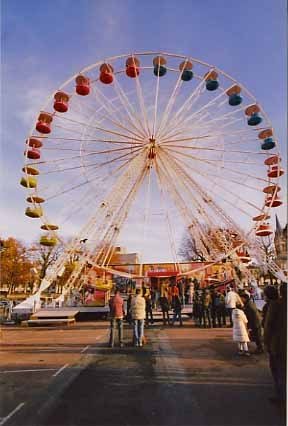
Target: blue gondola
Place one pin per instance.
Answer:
(212, 85)
(268, 144)
(254, 119)
(187, 75)
(160, 71)
(235, 99)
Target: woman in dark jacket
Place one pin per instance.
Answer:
(270, 293)
(275, 339)
(254, 322)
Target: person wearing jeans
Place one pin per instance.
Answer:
(177, 308)
(138, 325)
(117, 313)
(138, 311)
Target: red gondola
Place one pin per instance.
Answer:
(61, 102)
(82, 85)
(264, 230)
(275, 171)
(33, 153)
(44, 122)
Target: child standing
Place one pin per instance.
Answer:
(240, 333)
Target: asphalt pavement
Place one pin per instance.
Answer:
(182, 376)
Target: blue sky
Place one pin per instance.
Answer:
(44, 43)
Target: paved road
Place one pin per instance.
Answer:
(183, 376)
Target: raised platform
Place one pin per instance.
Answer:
(53, 317)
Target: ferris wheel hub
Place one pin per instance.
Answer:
(152, 148)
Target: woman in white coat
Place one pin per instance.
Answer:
(240, 333)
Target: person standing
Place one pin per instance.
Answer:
(213, 307)
(270, 294)
(254, 322)
(190, 293)
(177, 311)
(206, 308)
(220, 309)
(117, 313)
(128, 315)
(230, 302)
(198, 308)
(138, 311)
(149, 310)
(164, 304)
(275, 340)
(240, 333)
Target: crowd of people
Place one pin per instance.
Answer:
(214, 308)
(139, 312)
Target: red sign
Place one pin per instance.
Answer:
(162, 273)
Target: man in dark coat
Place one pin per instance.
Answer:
(254, 322)
(164, 304)
(275, 339)
(177, 308)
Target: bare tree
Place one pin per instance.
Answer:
(44, 257)
(268, 247)
(189, 251)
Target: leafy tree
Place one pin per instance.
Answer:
(16, 264)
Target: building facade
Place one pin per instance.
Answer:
(280, 242)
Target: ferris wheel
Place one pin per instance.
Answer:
(166, 131)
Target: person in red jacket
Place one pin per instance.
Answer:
(117, 314)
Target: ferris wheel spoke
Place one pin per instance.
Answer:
(111, 110)
(192, 98)
(94, 165)
(208, 173)
(231, 151)
(211, 133)
(126, 163)
(224, 167)
(110, 141)
(156, 102)
(164, 177)
(222, 116)
(117, 123)
(170, 104)
(175, 177)
(207, 126)
(142, 104)
(88, 152)
(223, 125)
(132, 114)
(218, 161)
(94, 178)
(204, 196)
(186, 212)
(104, 130)
(147, 205)
(192, 196)
(122, 206)
(208, 136)
(236, 196)
(171, 233)
(92, 153)
(182, 118)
